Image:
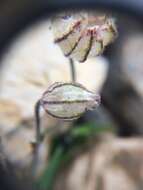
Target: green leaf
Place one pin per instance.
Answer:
(46, 181)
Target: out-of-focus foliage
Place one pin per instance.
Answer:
(63, 148)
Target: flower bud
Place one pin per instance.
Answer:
(68, 100)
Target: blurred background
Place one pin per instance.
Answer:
(103, 149)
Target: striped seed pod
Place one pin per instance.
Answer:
(68, 100)
(83, 35)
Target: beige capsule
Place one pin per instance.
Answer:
(85, 35)
(83, 47)
(64, 23)
(69, 41)
(67, 30)
(68, 100)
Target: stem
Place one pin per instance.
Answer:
(72, 69)
(38, 122)
(36, 145)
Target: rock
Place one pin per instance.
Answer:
(115, 162)
(132, 60)
(122, 91)
(10, 116)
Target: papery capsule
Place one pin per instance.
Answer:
(84, 35)
(83, 47)
(67, 32)
(68, 100)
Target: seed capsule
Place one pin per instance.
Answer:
(68, 100)
(83, 35)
